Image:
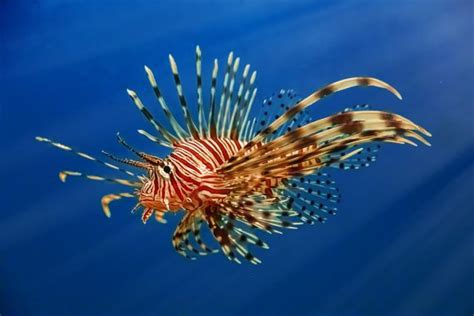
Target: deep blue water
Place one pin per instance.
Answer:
(402, 243)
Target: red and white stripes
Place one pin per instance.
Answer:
(190, 179)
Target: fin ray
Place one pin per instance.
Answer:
(182, 100)
(180, 132)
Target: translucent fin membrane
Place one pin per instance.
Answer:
(311, 99)
(278, 179)
(365, 157)
(313, 197)
(275, 106)
(310, 146)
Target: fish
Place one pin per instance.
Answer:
(235, 176)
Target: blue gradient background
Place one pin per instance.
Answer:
(402, 243)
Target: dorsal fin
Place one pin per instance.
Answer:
(182, 100)
(275, 106)
(180, 132)
(224, 92)
(231, 131)
(228, 97)
(318, 95)
(169, 139)
(228, 120)
(201, 119)
(212, 103)
(309, 100)
(248, 131)
(249, 97)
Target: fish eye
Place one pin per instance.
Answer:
(165, 171)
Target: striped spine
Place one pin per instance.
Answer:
(228, 97)
(169, 139)
(180, 132)
(232, 131)
(212, 106)
(199, 91)
(182, 100)
(224, 174)
(224, 92)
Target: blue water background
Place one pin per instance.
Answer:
(402, 243)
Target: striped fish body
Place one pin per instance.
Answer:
(190, 180)
(193, 181)
(235, 175)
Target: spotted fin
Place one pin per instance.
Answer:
(308, 148)
(274, 107)
(233, 224)
(296, 159)
(313, 197)
(365, 157)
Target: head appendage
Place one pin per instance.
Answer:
(148, 158)
(130, 162)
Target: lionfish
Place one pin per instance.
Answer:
(237, 175)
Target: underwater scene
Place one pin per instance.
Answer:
(237, 157)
